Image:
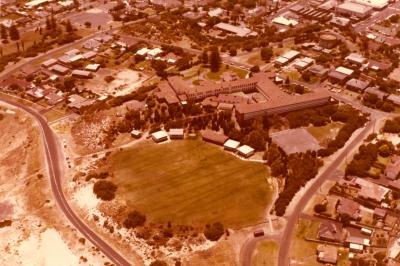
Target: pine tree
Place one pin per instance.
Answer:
(3, 32)
(68, 26)
(53, 23)
(14, 33)
(215, 60)
(204, 57)
(48, 24)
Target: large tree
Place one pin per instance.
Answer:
(215, 60)
(3, 32)
(14, 33)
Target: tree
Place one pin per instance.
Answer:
(68, 26)
(53, 22)
(158, 263)
(318, 208)
(215, 60)
(214, 232)
(134, 219)
(104, 190)
(14, 33)
(204, 57)
(255, 140)
(3, 32)
(88, 24)
(232, 51)
(266, 53)
(255, 69)
(48, 23)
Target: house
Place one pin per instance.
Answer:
(213, 137)
(231, 145)
(340, 75)
(75, 58)
(356, 85)
(54, 98)
(35, 93)
(59, 69)
(350, 208)
(245, 151)
(81, 74)
(303, 63)
(356, 243)
(327, 254)
(76, 102)
(330, 232)
(378, 65)
(159, 136)
(92, 67)
(392, 170)
(318, 71)
(394, 99)
(49, 63)
(136, 134)
(216, 12)
(134, 105)
(376, 91)
(371, 191)
(91, 44)
(284, 21)
(72, 52)
(176, 133)
(89, 55)
(379, 213)
(356, 59)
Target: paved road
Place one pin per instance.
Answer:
(380, 15)
(284, 251)
(55, 166)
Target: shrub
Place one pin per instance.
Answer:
(214, 232)
(108, 79)
(158, 263)
(318, 208)
(104, 190)
(134, 219)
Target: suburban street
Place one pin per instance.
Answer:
(55, 162)
(381, 15)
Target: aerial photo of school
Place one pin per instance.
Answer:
(200, 132)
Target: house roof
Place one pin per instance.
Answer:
(213, 136)
(231, 144)
(176, 131)
(159, 135)
(370, 190)
(330, 231)
(245, 149)
(392, 170)
(356, 83)
(327, 254)
(348, 207)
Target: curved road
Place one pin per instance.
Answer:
(55, 167)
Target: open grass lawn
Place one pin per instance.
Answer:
(325, 133)
(265, 254)
(303, 251)
(191, 182)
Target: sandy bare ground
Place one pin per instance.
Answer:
(125, 82)
(33, 231)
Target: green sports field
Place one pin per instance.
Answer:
(191, 182)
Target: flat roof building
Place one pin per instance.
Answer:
(59, 69)
(356, 59)
(231, 145)
(176, 133)
(213, 137)
(352, 9)
(159, 136)
(245, 151)
(81, 73)
(49, 63)
(239, 31)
